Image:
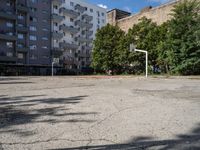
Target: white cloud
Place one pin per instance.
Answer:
(126, 8)
(103, 6)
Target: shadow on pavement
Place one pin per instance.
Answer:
(27, 110)
(190, 141)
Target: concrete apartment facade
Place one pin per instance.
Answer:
(74, 25)
(126, 21)
(34, 32)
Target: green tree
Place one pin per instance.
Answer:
(105, 52)
(145, 35)
(181, 50)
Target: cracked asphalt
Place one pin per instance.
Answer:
(74, 113)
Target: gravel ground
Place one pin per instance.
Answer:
(99, 113)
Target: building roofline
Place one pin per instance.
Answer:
(119, 10)
(157, 7)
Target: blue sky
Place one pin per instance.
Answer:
(133, 6)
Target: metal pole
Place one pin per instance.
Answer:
(52, 69)
(146, 64)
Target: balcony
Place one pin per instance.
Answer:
(57, 52)
(69, 29)
(87, 17)
(57, 18)
(22, 8)
(80, 8)
(68, 46)
(57, 35)
(57, 2)
(83, 24)
(22, 49)
(68, 12)
(82, 39)
(84, 55)
(88, 48)
(7, 15)
(23, 29)
(89, 33)
(7, 59)
(4, 36)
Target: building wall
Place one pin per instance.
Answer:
(76, 58)
(158, 14)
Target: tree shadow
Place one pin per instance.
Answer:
(190, 141)
(26, 110)
(15, 82)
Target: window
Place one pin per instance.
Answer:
(44, 20)
(33, 28)
(45, 29)
(71, 4)
(20, 55)
(20, 36)
(91, 10)
(20, 25)
(9, 44)
(71, 20)
(33, 19)
(55, 24)
(9, 54)
(33, 1)
(33, 57)
(102, 14)
(33, 47)
(44, 12)
(9, 24)
(55, 7)
(20, 45)
(98, 14)
(33, 38)
(33, 9)
(20, 17)
(44, 38)
(44, 47)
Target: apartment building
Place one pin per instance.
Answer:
(25, 37)
(74, 24)
(34, 32)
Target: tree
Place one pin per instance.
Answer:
(105, 52)
(145, 35)
(181, 50)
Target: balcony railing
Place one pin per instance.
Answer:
(57, 35)
(57, 52)
(57, 18)
(87, 17)
(89, 33)
(5, 36)
(84, 55)
(82, 39)
(22, 49)
(80, 8)
(7, 59)
(22, 8)
(69, 12)
(69, 29)
(68, 46)
(23, 29)
(7, 15)
(88, 48)
(83, 24)
(57, 2)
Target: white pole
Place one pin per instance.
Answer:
(146, 64)
(52, 69)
